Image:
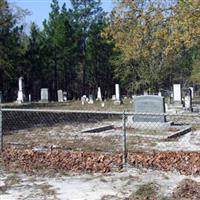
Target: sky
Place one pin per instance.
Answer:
(39, 9)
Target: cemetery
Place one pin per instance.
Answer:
(84, 136)
(99, 100)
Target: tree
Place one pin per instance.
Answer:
(11, 48)
(154, 39)
(99, 52)
(85, 13)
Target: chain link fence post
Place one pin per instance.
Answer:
(124, 145)
(1, 129)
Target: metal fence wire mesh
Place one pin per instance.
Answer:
(91, 131)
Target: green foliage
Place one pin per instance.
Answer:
(11, 47)
(155, 39)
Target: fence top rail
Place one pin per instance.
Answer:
(98, 112)
(61, 111)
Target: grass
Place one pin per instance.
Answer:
(9, 182)
(76, 105)
(149, 190)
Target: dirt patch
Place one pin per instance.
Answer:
(187, 189)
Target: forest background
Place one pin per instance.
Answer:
(144, 45)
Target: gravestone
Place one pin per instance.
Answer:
(159, 94)
(192, 90)
(114, 97)
(0, 96)
(44, 95)
(91, 99)
(20, 95)
(83, 99)
(29, 98)
(188, 99)
(149, 104)
(117, 95)
(99, 96)
(145, 93)
(177, 94)
(65, 96)
(60, 96)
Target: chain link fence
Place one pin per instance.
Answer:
(114, 132)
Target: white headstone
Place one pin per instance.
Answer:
(65, 96)
(192, 91)
(29, 97)
(177, 92)
(60, 96)
(20, 95)
(83, 99)
(91, 99)
(117, 92)
(44, 94)
(145, 93)
(187, 102)
(114, 97)
(99, 96)
(159, 94)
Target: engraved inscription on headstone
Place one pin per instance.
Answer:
(149, 104)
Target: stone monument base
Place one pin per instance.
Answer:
(20, 98)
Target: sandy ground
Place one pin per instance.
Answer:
(71, 137)
(87, 186)
(115, 186)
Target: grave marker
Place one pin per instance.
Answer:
(149, 104)
(117, 95)
(177, 93)
(20, 95)
(44, 95)
(60, 96)
(99, 96)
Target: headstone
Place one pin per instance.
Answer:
(114, 97)
(65, 96)
(192, 90)
(0, 96)
(117, 95)
(20, 95)
(83, 99)
(159, 94)
(188, 99)
(149, 104)
(44, 95)
(91, 99)
(60, 96)
(145, 93)
(29, 97)
(99, 96)
(177, 93)
(117, 92)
